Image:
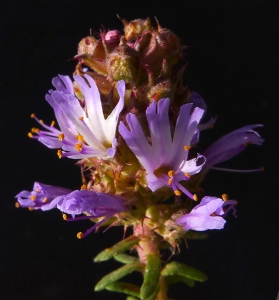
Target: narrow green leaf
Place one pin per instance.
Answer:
(176, 268)
(131, 298)
(153, 295)
(117, 274)
(124, 287)
(169, 280)
(118, 248)
(125, 258)
(151, 276)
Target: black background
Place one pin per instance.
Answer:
(233, 65)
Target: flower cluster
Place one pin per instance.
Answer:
(135, 130)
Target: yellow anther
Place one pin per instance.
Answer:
(31, 208)
(170, 181)
(79, 235)
(187, 175)
(41, 121)
(52, 123)
(225, 197)
(262, 169)
(59, 153)
(30, 134)
(187, 148)
(37, 190)
(80, 138)
(83, 187)
(78, 147)
(81, 118)
(35, 130)
(177, 193)
(171, 173)
(32, 116)
(33, 197)
(246, 144)
(17, 205)
(61, 136)
(195, 197)
(44, 200)
(64, 216)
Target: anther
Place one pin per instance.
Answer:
(61, 136)
(225, 197)
(64, 216)
(30, 208)
(59, 153)
(80, 138)
(78, 147)
(187, 148)
(170, 181)
(177, 193)
(195, 197)
(33, 197)
(81, 118)
(52, 123)
(79, 235)
(171, 173)
(30, 134)
(262, 169)
(44, 200)
(17, 205)
(83, 187)
(187, 175)
(246, 144)
(32, 116)
(37, 190)
(41, 121)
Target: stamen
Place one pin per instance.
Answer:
(187, 148)
(177, 193)
(37, 190)
(83, 187)
(171, 173)
(44, 200)
(33, 197)
(170, 181)
(61, 136)
(30, 134)
(80, 138)
(238, 171)
(64, 216)
(195, 197)
(17, 205)
(247, 143)
(31, 208)
(79, 235)
(78, 147)
(41, 121)
(32, 116)
(225, 197)
(59, 153)
(187, 175)
(81, 118)
(52, 123)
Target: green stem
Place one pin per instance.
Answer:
(162, 294)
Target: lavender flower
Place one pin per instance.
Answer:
(207, 215)
(165, 159)
(41, 196)
(83, 133)
(91, 203)
(231, 144)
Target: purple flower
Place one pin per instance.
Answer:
(41, 196)
(231, 144)
(90, 203)
(165, 158)
(84, 132)
(207, 215)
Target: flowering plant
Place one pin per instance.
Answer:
(135, 129)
